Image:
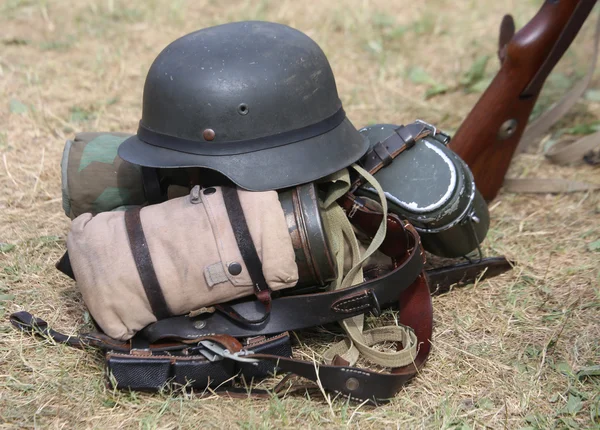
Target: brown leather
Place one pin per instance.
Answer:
(383, 153)
(415, 310)
(368, 220)
(143, 263)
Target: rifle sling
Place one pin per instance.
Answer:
(570, 30)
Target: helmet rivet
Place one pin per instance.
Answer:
(208, 134)
(199, 325)
(243, 109)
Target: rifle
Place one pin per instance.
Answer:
(488, 137)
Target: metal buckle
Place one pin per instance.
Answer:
(376, 307)
(216, 352)
(352, 212)
(440, 136)
(432, 127)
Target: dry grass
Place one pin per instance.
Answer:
(506, 352)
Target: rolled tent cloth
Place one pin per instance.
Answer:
(95, 179)
(137, 266)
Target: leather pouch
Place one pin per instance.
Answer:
(144, 370)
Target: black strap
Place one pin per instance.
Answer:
(297, 312)
(249, 255)
(357, 383)
(64, 265)
(383, 153)
(27, 323)
(143, 263)
(151, 184)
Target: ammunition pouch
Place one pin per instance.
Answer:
(196, 367)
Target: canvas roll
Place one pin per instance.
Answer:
(193, 252)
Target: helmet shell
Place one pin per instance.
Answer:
(255, 101)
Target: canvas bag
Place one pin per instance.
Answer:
(192, 246)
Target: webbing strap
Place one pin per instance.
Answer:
(359, 342)
(143, 263)
(249, 255)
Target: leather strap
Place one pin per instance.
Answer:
(442, 279)
(570, 30)
(244, 241)
(384, 152)
(143, 263)
(367, 218)
(297, 312)
(542, 124)
(364, 384)
(356, 383)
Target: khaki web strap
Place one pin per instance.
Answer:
(566, 152)
(360, 342)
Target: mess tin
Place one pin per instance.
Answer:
(431, 187)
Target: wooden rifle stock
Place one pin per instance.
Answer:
(488, 137)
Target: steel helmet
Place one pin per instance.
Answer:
(255, 101)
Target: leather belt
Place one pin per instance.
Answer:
(415, 310)
(297, 312)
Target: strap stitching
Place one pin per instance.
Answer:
(337, 307)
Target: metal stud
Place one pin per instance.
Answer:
(195, 195)
(199, 325)
(208, 134)
(507, 129)
(352, 384)
(235, 268)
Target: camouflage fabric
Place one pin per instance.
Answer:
(95, 179)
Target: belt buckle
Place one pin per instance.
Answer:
(215, 352)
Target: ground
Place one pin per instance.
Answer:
(516, 351)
